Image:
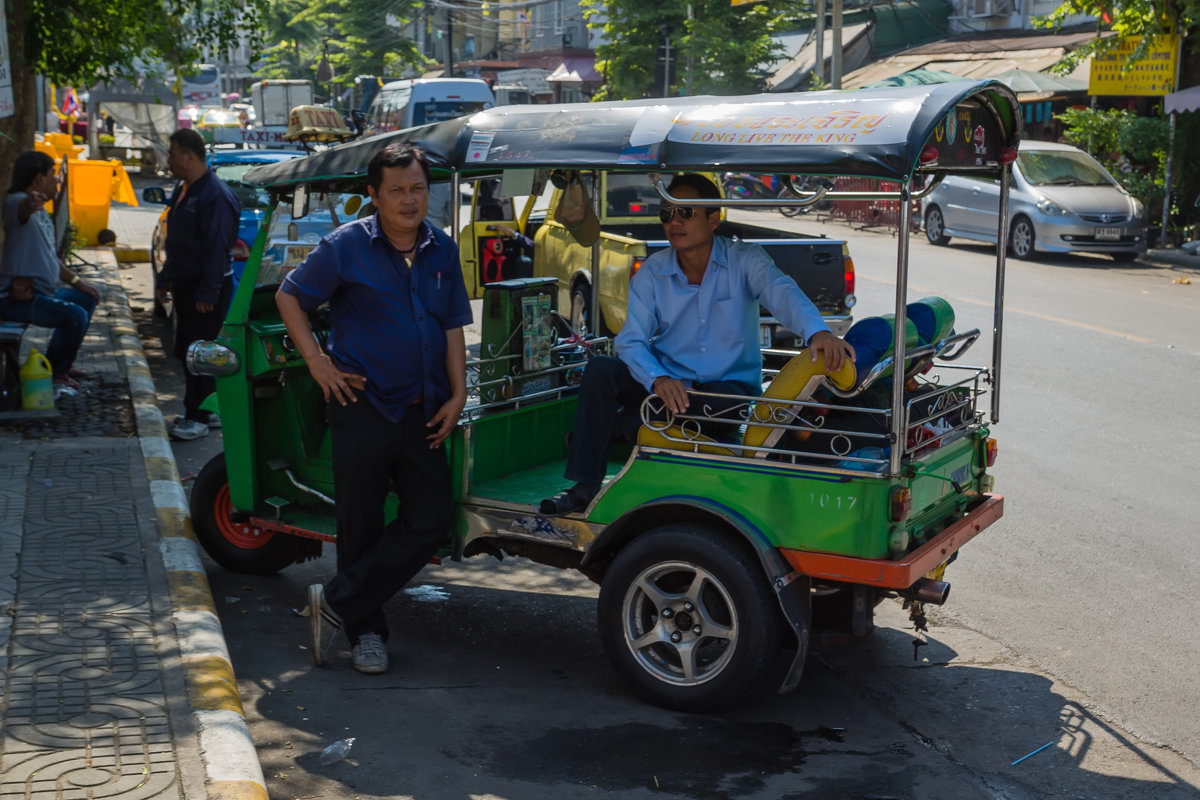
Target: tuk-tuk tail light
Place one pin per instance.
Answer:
(1008, 155)
(637, 264)
(989, 451)
(900, 504)
(848, 274)
(929, 155)
(241, 251)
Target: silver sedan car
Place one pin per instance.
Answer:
(1061, 200)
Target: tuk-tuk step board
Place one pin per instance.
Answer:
(531, 486)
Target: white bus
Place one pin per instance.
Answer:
(203, 87)
(403, 104)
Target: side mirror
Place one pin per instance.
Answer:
(154, 195)
(300, 202)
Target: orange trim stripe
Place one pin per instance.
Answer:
(888, 574)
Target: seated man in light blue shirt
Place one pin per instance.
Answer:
(692, 323)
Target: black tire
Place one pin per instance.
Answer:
(707, 582)
(156, 265)
(236, 546)
(1021, 238)
(1123, 258)
(935, 226)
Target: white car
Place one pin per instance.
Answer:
(1061, 200)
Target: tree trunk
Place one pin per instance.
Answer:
(18, 129)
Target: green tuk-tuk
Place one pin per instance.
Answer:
(711, 556)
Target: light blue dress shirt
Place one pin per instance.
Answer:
(705, 333)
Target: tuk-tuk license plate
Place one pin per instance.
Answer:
(1108, 234)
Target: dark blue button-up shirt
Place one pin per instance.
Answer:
(202, 229)
(388, 321)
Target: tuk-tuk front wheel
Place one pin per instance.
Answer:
(688, 619)
(236, 545)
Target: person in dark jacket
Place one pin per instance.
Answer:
(202, 226)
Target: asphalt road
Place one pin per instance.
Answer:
(1069, 623)
(1091, 573)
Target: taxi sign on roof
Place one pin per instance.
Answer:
(316, 124)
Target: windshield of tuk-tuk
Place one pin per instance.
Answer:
(290, 240)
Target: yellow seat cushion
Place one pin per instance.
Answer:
(798, 379)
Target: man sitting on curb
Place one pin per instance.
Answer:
(692, 323)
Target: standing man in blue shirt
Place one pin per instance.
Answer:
(202, 226)
(394, 378)
(692, 323)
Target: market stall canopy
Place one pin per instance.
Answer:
(1024, 81)
(916, 77)
(878, 133)
(1182, 101)
(976, 56)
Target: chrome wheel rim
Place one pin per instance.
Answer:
(680, 623)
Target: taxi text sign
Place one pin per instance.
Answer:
(1152, 75)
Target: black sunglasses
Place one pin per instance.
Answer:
(666, 214)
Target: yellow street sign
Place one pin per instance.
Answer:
(1152, 75)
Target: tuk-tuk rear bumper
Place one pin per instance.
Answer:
(899, 575)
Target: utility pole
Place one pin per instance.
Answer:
(836, 77)
(666, 32)
(449, 43)
(819, 33)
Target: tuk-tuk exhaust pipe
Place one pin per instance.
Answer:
(928, 591)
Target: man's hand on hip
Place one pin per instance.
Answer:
(836, 350)
(203, 307)
(333, 382)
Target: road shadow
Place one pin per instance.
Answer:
(499, 688)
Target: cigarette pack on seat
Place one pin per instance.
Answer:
(518, 334)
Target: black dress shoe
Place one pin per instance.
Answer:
(567, 501)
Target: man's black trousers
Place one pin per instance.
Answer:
(375, 557)
(191, 325)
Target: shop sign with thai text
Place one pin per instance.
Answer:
(1152, 75)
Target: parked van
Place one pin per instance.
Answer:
(403, 104)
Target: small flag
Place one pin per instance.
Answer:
(70, 107)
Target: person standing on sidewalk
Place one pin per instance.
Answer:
(31, 270)
(394, 379)
(202, 225)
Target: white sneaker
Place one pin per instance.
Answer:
(370, 654)
(214, 421)
(188, 429)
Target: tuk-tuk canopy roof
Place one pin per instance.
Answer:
(878, 133)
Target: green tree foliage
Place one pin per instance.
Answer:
(355, 34)
(1145, 18)
(82, 42)
(718, 49)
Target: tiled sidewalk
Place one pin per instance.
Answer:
(116, 680)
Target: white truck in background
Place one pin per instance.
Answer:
(273, 101)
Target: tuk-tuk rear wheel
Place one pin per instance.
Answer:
(688, 619)
(236, 545)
